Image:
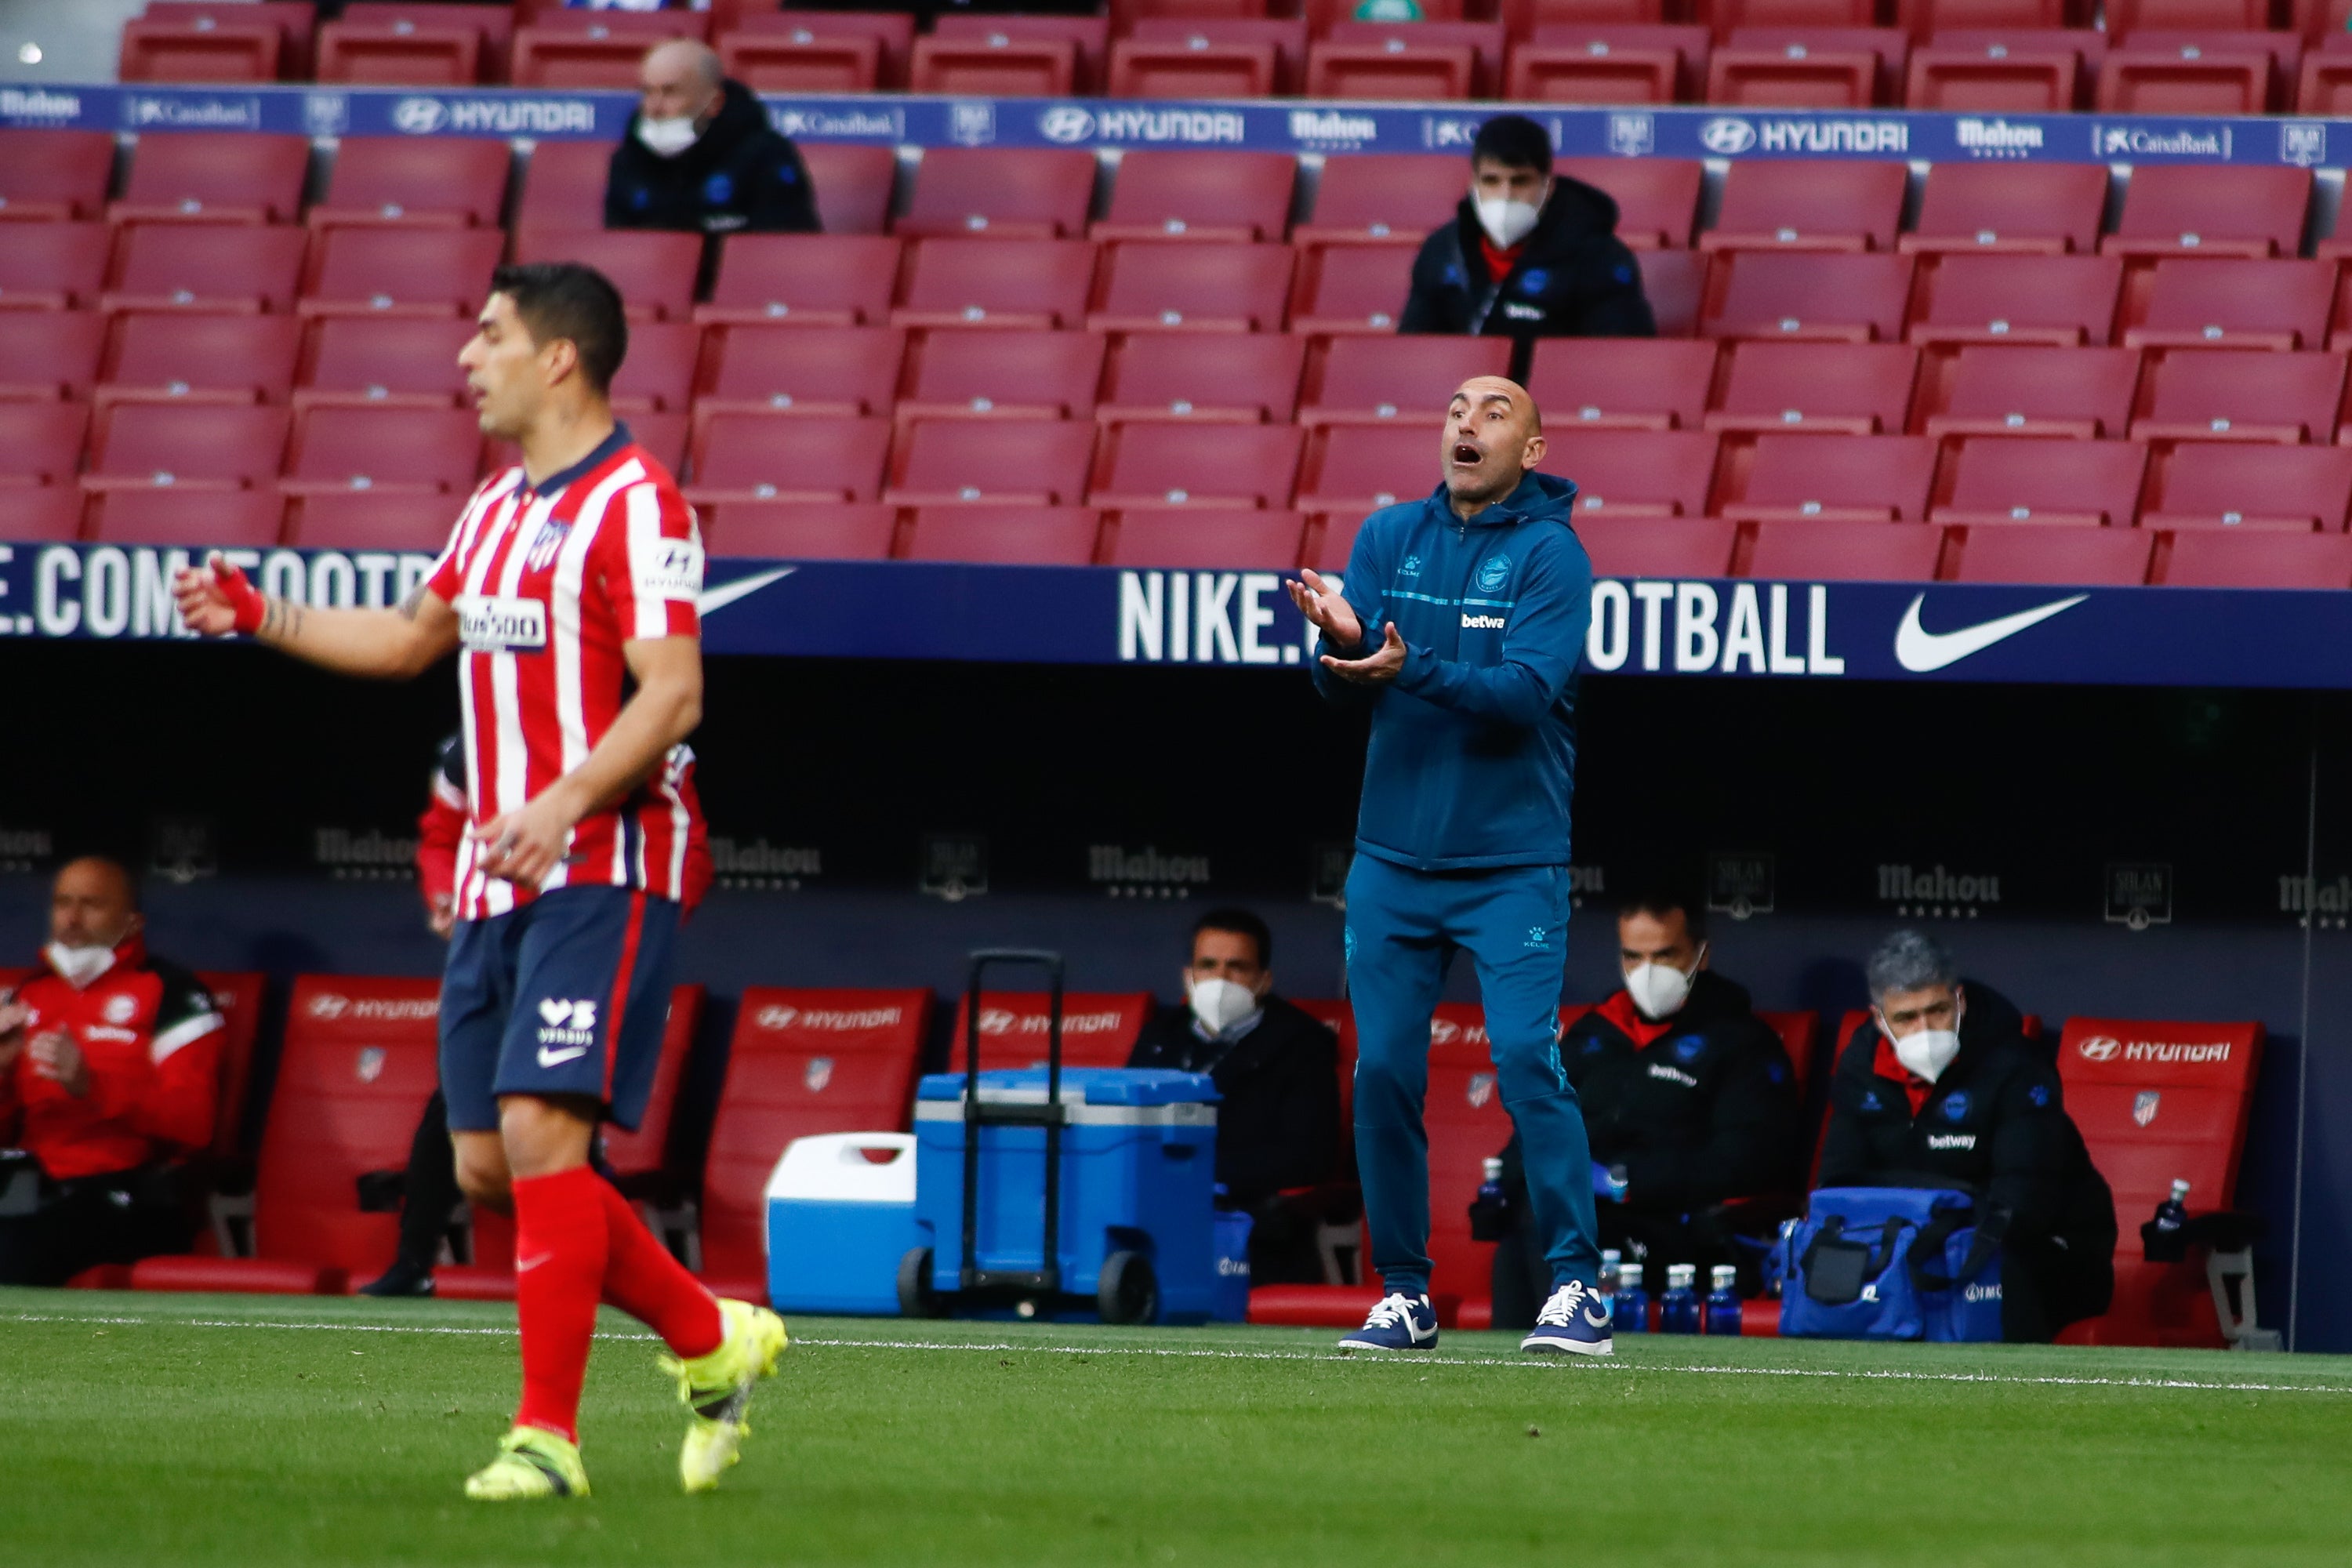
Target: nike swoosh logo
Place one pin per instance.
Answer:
(548, 1058)
(1920, 650)
(716, 599)
(1602, 1322)
(525, 1265)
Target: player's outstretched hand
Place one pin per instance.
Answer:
(1324, 607)
(1385, 663)
(524, 846)
(216, 599)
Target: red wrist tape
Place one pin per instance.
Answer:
(243, 599)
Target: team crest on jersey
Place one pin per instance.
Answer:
(121, 1009)
(1493, 573)
(1956, 1107)
(494, 623)
(550, 538)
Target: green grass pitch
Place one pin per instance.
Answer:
(257, 1431)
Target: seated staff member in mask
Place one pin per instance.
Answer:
(1941, 1089)
(1277, 1070)
(1688, 1100)
(1530, 254)
(700, 156)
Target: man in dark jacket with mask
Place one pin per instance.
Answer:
(700, 156)
(1278, 1076)
(1528, 255)
(1941, 1089)
(1688, 1098)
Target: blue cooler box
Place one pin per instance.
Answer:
(841, 1214)
(1139, 1174)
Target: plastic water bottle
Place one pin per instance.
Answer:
(1678, 1308)
(1723, 1301)
(1490, 1213)
(1611, 1261)
(2164, 1239)
(2173, 1211)
(1632, 1303)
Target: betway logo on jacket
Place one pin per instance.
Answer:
(2108, 1048)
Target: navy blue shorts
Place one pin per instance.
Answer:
(567, 996)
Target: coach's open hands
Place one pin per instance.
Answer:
(1383, 665)
(524, 846)
(1323, 606)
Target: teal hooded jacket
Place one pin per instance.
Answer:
(1473, 757)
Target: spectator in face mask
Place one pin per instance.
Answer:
(1277, 1072)
(1530, 254)
(699, 154)
(1688, 1100)
(1939, 1089)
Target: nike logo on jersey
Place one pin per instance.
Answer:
(525, 1265)
(1920, 650)
(548, 1058)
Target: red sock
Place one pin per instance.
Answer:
(560, 1247)
(644, 1280)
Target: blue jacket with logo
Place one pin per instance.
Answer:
(1473, 755)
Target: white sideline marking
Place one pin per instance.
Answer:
(1205, 1353)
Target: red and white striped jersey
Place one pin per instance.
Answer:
(548, 582)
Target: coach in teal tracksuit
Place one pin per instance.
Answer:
(1481, 596)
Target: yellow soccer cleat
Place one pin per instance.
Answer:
(718, 1388)
(531, 1463)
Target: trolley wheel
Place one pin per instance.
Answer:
(916, 1296)
(1128, 1294)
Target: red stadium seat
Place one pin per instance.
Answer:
(1365, 379)
(1201, 195)
(408, 52)
(1350, 288)
(658, 372)
(662, 435)
(1658, 198)
(1853, 479)
(1208, 377)
(605, 53)
(563, 186)
(1383, 199)
(216, 176)
(2222, 302)
(970, 374)
(2156, 1102)
(2217, 73)
(1088, 36)
(995, 68)
(38, 514)
(822, 279)
(177, 355)
(779, 457)
(2126, 18)
(1859, 389)
(2192, 209)
(655, 272)
(1725, 15)
(1323, 14)
(1424, 39)
(176, 51)
(1622, 384)
(1210, 58)
(851, 185)
(1203, 538)
(41, 443)
(1099, 1028)
(238, 997)
(1023, 462)
(406, 272)
(1809, 204)
(1635, 473)
(995, 283)
(493, 23)
(1807, 68)
(1981, 70)
(639, 1156)
(53, 176)
(49, 354)
(893, 31)
(295, 21)
(53, 266)
(802, 62)
(2225, 485)
(202, 267)
(1005, 535)
(1392, 67)
(1466, 1124)
(827, 370)
(800, 1062)
(1003, 193)
(197, 520)
(2049, 300)
(449, 182)
(1524, 18)
(2325, 85)
(2224, 558)
(382, 360)
(2015, 479)
(384, 449)
(2239, 395)
(1167, 463)
(1659, 546)
(1150, 286)
(2027, 391)
(408, 520)
(1822, 550)
(2057, 557)
(1356, 467)
(1980, 208)
(203, 445)
(1609, 62)
(800, 531)
(1839, 297)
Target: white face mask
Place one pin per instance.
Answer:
(1506, 222)
(1925, 1053)
(1659, 990)
(79, 965)
(1219, 1004)
(666, 138)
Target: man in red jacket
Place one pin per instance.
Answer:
(110, 1065)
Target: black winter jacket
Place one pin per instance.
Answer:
(739, 175)
(1573, 277)
(1278, 1121)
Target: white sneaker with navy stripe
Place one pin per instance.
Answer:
(1574, 1322)
(1399, 1322)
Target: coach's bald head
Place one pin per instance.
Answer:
(681, 80)
(1494, 435)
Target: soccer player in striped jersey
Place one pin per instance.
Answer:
(568, 577)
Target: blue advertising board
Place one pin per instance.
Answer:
(1089, 614)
